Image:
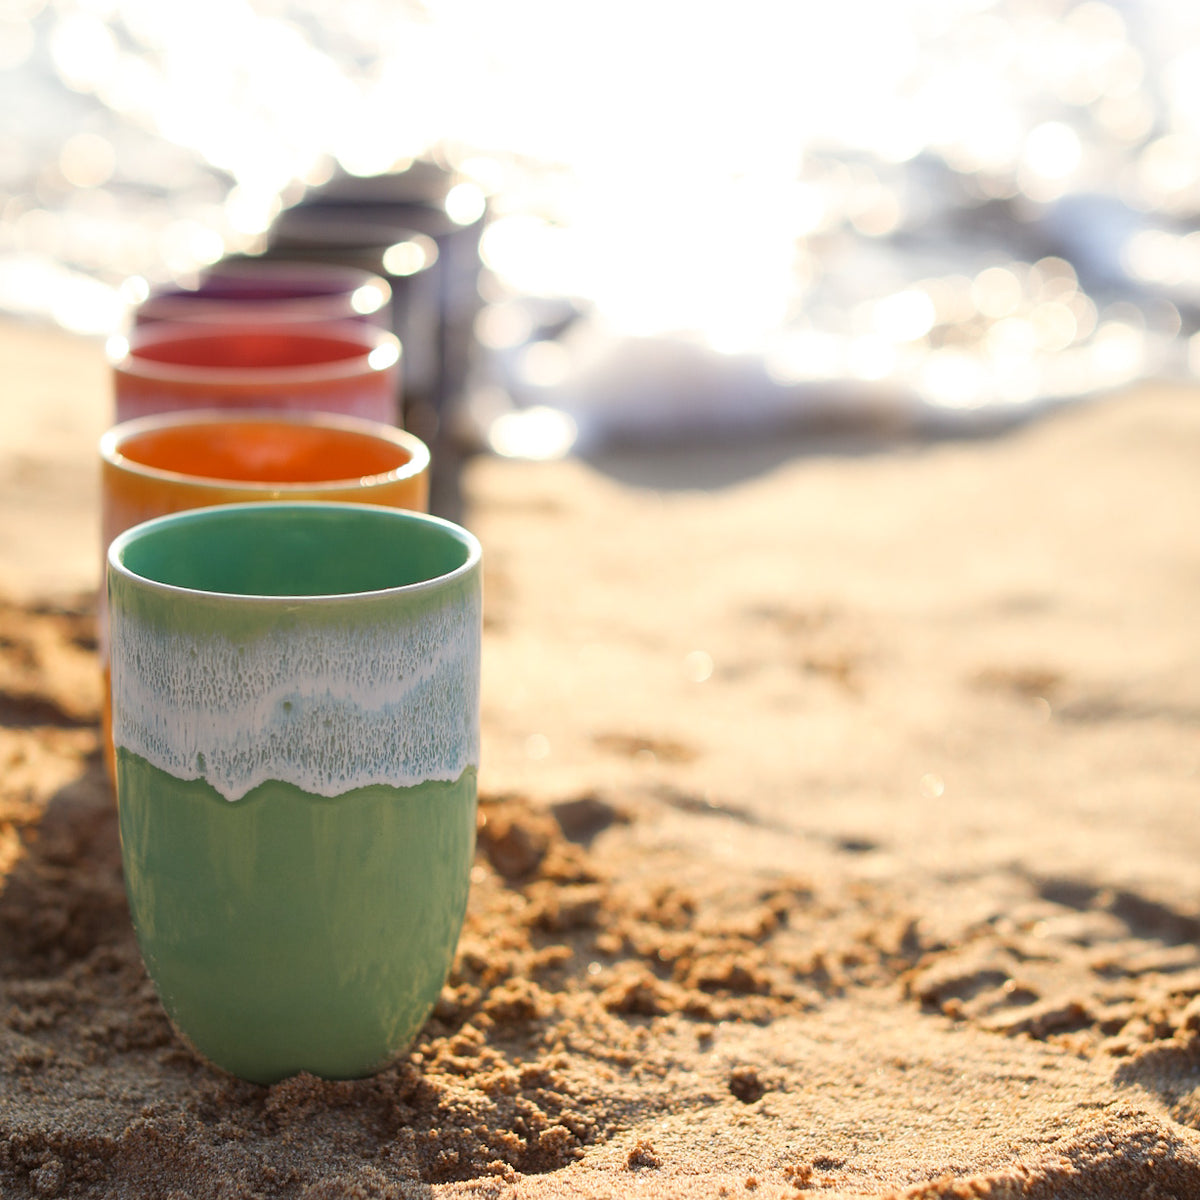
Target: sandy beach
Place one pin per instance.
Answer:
(836, 835)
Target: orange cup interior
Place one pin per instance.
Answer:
(264, 452)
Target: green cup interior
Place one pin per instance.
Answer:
(276, 549)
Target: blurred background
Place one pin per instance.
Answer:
(639, 222)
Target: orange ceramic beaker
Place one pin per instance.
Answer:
(174, 461)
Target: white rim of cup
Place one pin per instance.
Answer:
(464, 536)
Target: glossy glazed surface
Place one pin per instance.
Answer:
(291, 932)
(296, 719)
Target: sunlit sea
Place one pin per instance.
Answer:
(714, 214)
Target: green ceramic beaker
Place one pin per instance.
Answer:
(295, 691)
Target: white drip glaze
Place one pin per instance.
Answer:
(326, 707)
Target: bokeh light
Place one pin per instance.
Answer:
(944, 196)
(409, 256)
